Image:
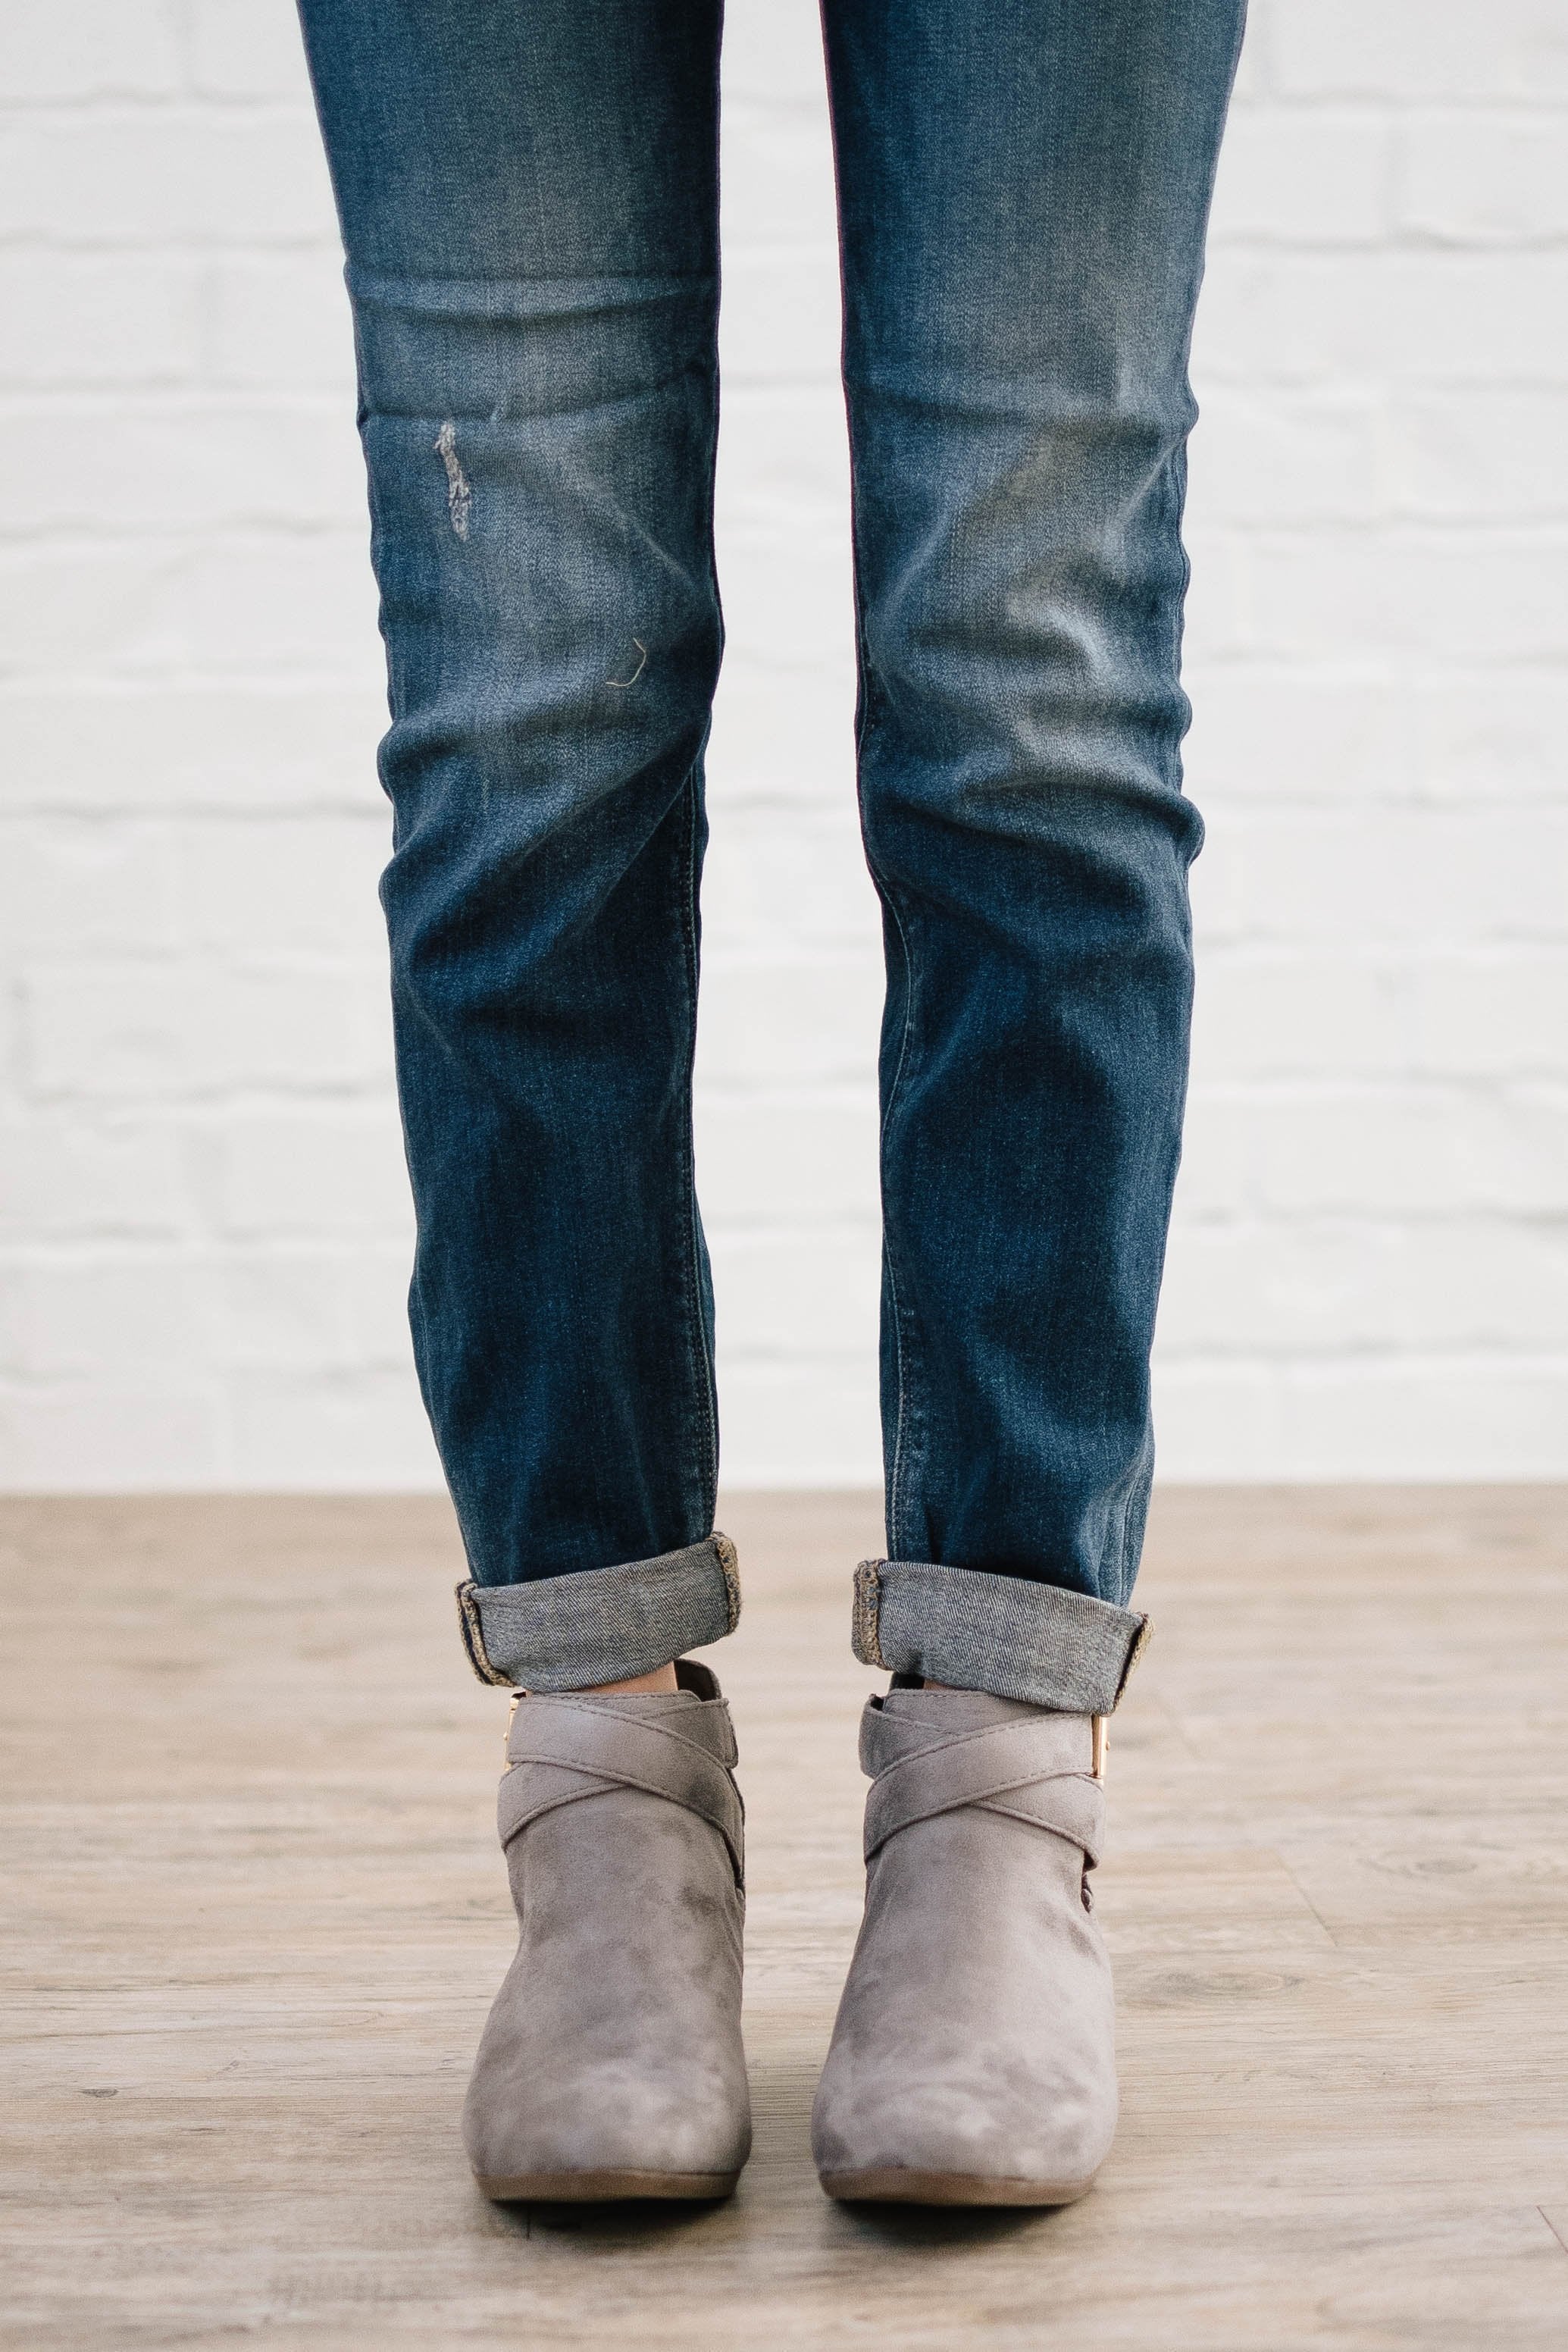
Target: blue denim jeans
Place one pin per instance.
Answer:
(528, 197)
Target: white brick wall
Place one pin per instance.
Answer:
(204, 1226)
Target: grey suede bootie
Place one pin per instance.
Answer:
(973, 2062)
(611, 2063)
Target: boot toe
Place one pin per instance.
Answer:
(956, 2139)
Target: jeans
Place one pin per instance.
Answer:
(527, 192)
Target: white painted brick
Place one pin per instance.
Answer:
(205, 1218)
(75, 606)
(282, 322)
(1320, 1289)
(337, 1309)
(798, 1021)
(342, 1433)
(1481, 456)
(175, 467)
(1494, 1016)
(192, 177)
(284, 1310)
(1502, 177)
(788, 599)
(1195, 1399)
(288, 603)
(782, 733)
(1280, 459)
(94, 884)
(70, 1318)
(1417, 50)
(808, 1157)
(1269, 1015)
(110, 1436)
(1397, 1149)
(127, 1030)
(1299, 734)
(772, 57)
(336, 1174)
(1220, 1145)
(786, 1297)
(65, 49)
(1394, 316)
(256, 887)
(777, 182)
(1220, 624)
(1412, 876)
(1491, 595)
(1304, 177)
(247, 51)
(195, 749)
(781, 320)
(1251, 84)
(1495, 735)
(1396, 1417)
(1265, 1015)
(803, 1425)
(66, 1177)
(769, 892)
(80, 320)
(784, 460)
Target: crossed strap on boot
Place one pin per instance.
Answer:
(611, 2063)
(973, 2061)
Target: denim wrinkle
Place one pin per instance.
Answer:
(604, 1624)
(1007, 1636)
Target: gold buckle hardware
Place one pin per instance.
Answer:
(1101, 1741)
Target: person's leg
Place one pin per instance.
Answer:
(529, 198)
(1023, 193)
(1023, 197)
(529, 201)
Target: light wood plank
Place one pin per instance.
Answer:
(254, 1914)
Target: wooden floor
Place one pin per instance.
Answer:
(254, 1915)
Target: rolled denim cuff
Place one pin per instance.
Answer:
(601, 1624)
(1002, 1634)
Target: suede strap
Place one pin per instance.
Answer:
(1032, 1771)
(582, 1748)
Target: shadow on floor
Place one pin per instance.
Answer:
(905, 2226)
(633, 2220)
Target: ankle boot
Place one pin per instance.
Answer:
(611, 2063)
(973, 2061)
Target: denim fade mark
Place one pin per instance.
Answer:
(601, 1625)
(1004, 1634)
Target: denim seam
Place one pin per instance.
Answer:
(1134, 1508)
(702, 1360)
(904, 1413)
(1139, 1643)
(729, 1569)
(692, 917)
(868, 1601)
(473, 1634)
(894, 1470)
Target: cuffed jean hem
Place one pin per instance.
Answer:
(1002, 1634)
(601, 1624)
